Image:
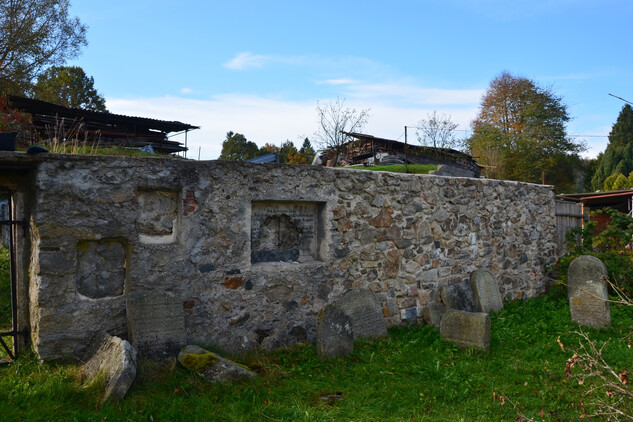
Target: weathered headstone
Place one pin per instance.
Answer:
(584, 269)
(466, 329)
(486, 291)
(334, 335)
(212, 367)
(156, 323)
(433, 313)
(589, 305)
(459, 296)
(364, 312)
(116, 359)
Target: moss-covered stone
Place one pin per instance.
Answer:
(199, 363)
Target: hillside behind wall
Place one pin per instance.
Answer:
(249, 253)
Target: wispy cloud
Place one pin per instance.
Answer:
(246, 60)
(341, 81)
(186, 91)
(414, 95)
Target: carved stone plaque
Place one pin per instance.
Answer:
(285, 231)
(156, 323)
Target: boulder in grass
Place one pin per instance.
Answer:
(115, 358)
(211, 366)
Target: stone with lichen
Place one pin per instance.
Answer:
(212, 367)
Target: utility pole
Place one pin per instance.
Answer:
(406, 167)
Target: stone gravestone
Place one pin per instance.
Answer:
(486, 290)
(334, 335)
(459, 296)
(156, 323)
(364, 312)
(584, 269)
(466, 329)
(116, 359)
(589, 305)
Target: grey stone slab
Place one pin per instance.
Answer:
(116, 359)
(365, 313)
(433, 313)
(589, 305)
(156, 323)
(101, 268)
(584, 269)
(211, 366)
(334, 335)
(466, 329)
(486, 291)
(459, 296)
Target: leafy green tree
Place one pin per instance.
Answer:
(620, 182)
(520, 134)
(618, 157)
(609, 181)
(236, 148)
(68, 86)
(286, 151)
(268, 149)
(35, 34)
(307, 151)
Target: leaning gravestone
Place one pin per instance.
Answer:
(212, 367)
(582, 270)
(486, 290)
(334, 335)
(156, 323)
(459, 296)
(589, 305)
(116, 359)
(433, 313)
(466, 329)
(364, 312)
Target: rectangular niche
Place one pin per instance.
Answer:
(157, 216)
(287, 231)
(101, 268)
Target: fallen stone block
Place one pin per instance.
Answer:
(212, 367)
(466, 329)
(334, 335)
(486, 291)
(589, 305)
(115, 358)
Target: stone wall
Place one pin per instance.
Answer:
(249, 253)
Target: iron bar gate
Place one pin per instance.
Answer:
(8, 281)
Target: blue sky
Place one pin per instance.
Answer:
(259, 67)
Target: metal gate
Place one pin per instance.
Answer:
(8, 284)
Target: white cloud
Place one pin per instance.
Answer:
(342, 81)
(416, 96)
(246, 60)
(186, 91)
(264, 120)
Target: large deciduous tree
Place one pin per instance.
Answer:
(34, 35)
(334, 119)
(520, 134)
(618, 157)
(70, 87)
(236, 148)
(438, 131)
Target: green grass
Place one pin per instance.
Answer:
(411, 375)
(399, 168)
